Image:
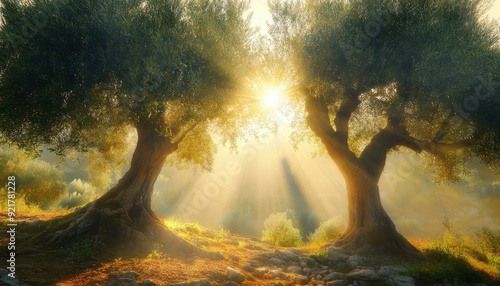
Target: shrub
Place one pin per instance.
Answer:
(279, 230)
(79, 193)
(327, 231)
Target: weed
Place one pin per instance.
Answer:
(327, 231)
(321, 257)
(279, 230)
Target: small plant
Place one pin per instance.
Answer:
(321, 257)
(279, 230)
(327, 231)
(193, 227)
(156, 253)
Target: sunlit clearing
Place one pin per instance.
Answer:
(272, 98)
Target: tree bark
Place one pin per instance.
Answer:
(370, 229)
(122, 219)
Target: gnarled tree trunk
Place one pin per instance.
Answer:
(369, 228)
(122, 219)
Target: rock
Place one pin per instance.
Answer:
(335, 276)
(253, 263)
(319, 277)
(259, 272)
(147, 282)
(295, 251)
(290, 256)
(122, 282)
(277, 274)
(337, 283)
(324, 267)
(337, 254)
(231, 283)
(307, 262)
(193, 283)
(234, 275)
(363, 274)
(123, 279)
(277, 261)
(6, 279)
(307, 270)
(355, 260)
(248, 268)
(294, 269)
(301, 279)
(390, 271)
(403, 281)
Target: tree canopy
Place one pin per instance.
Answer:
(72, 74)
(427, 72)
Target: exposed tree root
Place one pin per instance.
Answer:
(126, 237)
(378, 242)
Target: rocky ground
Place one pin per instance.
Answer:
(246, 261)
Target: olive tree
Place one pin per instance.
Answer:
(381, 77)
(76, 75)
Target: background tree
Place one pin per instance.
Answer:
(42, 182)
(376, 77)
(75, 75)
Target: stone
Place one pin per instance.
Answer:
(301, 279)
(307, 270)
(122, 282)
(253, 263)
(148, 282)
(319, 277)
(290, 256)
(355, 260)
(335, 276)
(337, 283)
(337, 254)
(324, 267)
(259, 272)
(248, 268)
(295, 251)
(231, 283)
(275, 273)
(7, 280)
(363, 274)
(294, 269)
(307, 262)
(403, 281)
(391, 270)
(277, 261)
(234, 275)
(193, 283)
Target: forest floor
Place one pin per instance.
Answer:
(83, 264)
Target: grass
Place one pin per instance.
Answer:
(459, 258)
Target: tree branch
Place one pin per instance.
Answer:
(318, 119)
(442, 130)
(344, 115)
(185, 132)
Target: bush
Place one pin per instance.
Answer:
(327, 231)
(79, 193)
(279, 230)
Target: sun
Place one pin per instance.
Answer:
(271, 98)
